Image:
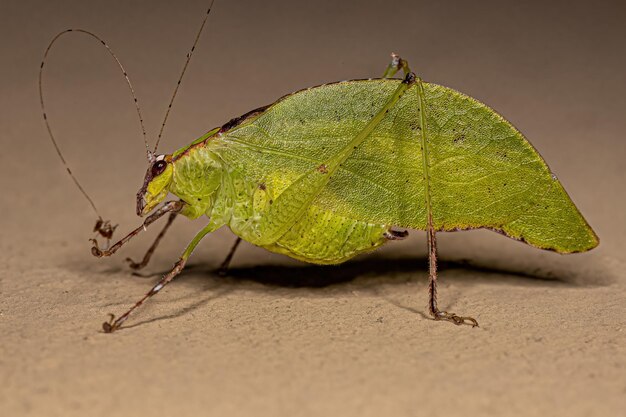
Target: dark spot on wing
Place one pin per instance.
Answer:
(459, 139)
(232, 123)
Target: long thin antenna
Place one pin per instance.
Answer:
(45, 116)
(169, 107)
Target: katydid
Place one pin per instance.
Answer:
(333, 171)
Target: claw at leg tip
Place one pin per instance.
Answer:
(109, 326)
(453, 318)
(132, 264)
(95, 250)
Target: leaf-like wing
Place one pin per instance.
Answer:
(482, 171)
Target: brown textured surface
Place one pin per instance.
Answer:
(278, 337)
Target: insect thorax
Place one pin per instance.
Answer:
(197, 178)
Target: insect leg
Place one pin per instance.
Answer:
(432, 286)
(396, 65)
(224, 266)
(104, 229)
(432, 240)
(114, 324)
(171, 206)
(148, 255)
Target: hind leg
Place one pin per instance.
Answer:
(396, 65)
(432, 287)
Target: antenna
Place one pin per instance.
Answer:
(119, 64)
(45, 116)
(103, 227)
(193, 47)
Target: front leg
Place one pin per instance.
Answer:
(146, 258)
(169, 207)
(104, 229)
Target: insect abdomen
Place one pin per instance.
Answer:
(323, 237)
(319, 236)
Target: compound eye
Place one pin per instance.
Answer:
(158, 167)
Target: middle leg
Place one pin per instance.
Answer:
(224, 266)
(114, 324)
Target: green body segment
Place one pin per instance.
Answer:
(341, 193)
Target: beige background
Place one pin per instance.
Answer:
(278, 337)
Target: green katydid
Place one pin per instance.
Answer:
(330, 172)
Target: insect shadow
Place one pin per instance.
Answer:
(369, 275)
(198, 303)
(374, 270)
